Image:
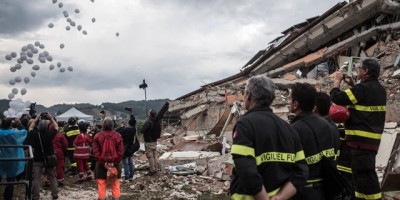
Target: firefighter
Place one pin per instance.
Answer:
(367, 105)
(71, 132)
(316, 135)
(268, 156)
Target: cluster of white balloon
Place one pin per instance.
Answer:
(27, 55)
(17, 108)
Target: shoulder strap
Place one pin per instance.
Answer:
(41, 146)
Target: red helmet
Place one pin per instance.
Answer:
(339, 114)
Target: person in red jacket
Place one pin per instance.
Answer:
(104, 166)
(60, 145)
(82, 145)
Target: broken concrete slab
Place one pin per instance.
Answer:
(385, 148)
(396, 74)
(179, 158)
(390, 125)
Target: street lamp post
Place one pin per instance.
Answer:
(144, 86)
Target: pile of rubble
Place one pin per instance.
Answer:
(311, 51)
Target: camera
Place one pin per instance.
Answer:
(44, 115)
(129, 109)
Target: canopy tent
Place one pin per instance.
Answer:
(73, 112)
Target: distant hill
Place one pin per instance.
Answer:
(117, 109)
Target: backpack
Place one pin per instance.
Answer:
(108, 151)
(155, 126)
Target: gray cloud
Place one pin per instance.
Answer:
(176, 45)
(17, 16)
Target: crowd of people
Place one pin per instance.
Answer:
(279, 160)
(75, 148)
(273, 159)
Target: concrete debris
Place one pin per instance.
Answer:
(310, 52)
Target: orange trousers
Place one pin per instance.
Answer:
(114, 186)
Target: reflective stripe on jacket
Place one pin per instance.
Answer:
(366, 102)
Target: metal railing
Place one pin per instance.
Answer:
(27, 182)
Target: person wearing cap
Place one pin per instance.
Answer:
(367, 105)
(267, 152)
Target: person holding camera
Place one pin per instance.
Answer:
(40, 138)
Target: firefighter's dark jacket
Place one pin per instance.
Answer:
(307, 124)
(266, 151)
(366, 102)
(71, 132)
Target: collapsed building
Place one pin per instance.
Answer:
(311, 51)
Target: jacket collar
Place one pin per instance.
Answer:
(301, 115)
(259, 108)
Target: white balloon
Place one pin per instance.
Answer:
(23, 58)
(33, 74)
(12, 111)
(60, 5)
(61, 45)
(77, 10)
(117, 34)
(11, 96)
(62, 69)
(18, 66)
(24, 48)
(45, 53)
(8, 57)
(65, 13)
(67, 28)
(37, 43)
(72, 23)
(12, 69)
(36, 67)
(54, 1)
(15, 91)
(93, 19)
(6, 114)
(41, 46)
(19, 61)
(51, 25)
(84, 32)
(35, 51)
(13, 54)
(51, 67)
(12, 82)
(29, 61)
(41, 55)
(69, 20)
(42, 59)
(58, 64)
(70, 69)
(79, 27)
(92, 1)
(23, 91)
(27, 103)
(26, 80)
(29, 54)
(49, 58)
(18, 79)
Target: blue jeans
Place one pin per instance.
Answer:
(128, 167)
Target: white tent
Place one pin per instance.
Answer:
(73, 112)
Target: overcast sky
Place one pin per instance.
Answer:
(176, 45)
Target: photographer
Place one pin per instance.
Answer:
(40, 138)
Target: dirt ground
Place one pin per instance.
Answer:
(160, 186)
